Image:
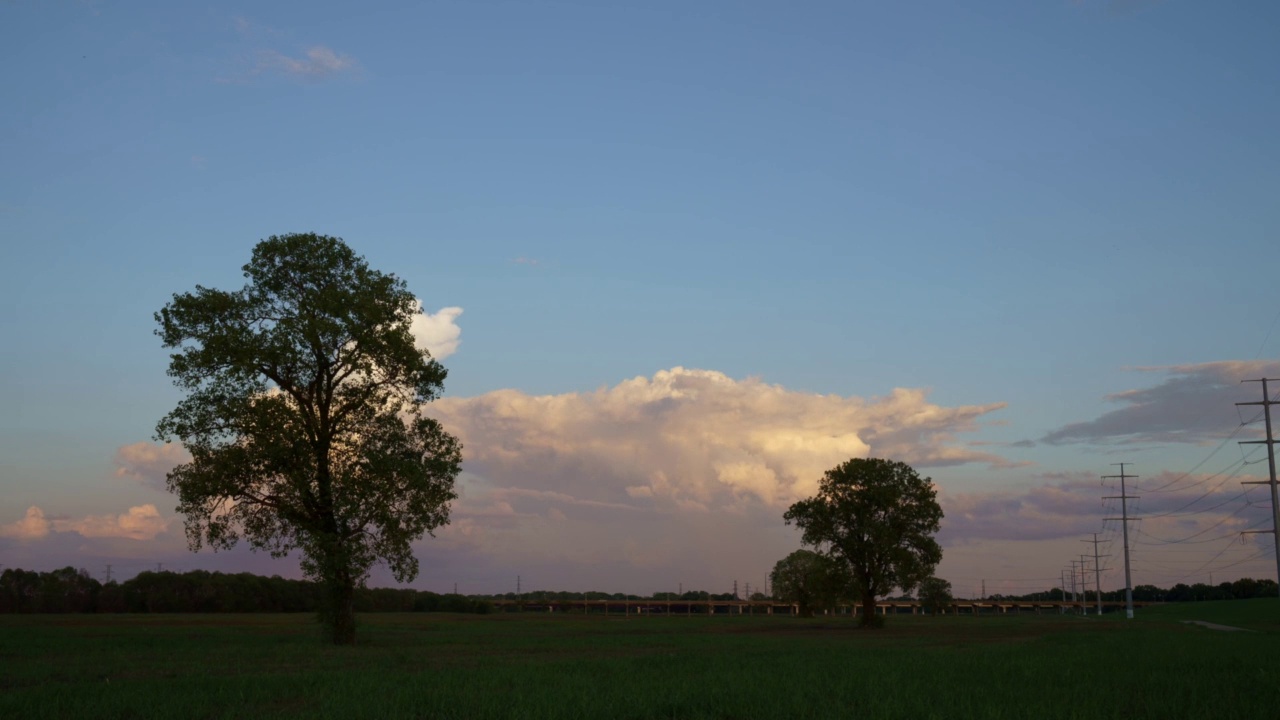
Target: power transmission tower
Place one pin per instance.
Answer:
(1073, 580)
(984, 589)
(108, 573)
(735, 590)
(1124, 524)
(1270, 442)
(1097, 571)
(517, 585)
(1084, 585)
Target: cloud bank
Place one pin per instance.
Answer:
(142, 522)
(698, 439)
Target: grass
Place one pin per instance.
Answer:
(1259, 614)
(537, 666)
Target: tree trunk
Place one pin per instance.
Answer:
(339, 611)
(868, 610)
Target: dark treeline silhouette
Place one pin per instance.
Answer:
(73, 591)
(1241, 589)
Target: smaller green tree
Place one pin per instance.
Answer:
(935, 595)
(810, 580)
(875, 518)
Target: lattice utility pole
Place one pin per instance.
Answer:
(1084, 585)
(108, 573)
(1073, 582)
(1124, 524)
(1270, 442)
(1097, 571)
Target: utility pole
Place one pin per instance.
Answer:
(108, 573)
(735, 589)
(455, 588)
(681, 589)
(1270, 442)
(1097, 572)
(1124, 524)
(1062, 583)
(984, 589)
(517, 585)
(159, 567)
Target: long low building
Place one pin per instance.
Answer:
(772, 607)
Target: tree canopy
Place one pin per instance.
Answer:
(935, 595)
(810, 580)
(877, 519)
(303, 392)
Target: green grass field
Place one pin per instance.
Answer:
(537, 666)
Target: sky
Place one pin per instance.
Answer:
(679, 259)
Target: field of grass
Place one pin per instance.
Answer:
(537, 666)
(1258, 615)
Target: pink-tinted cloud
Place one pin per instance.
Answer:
(149, 463)
(32, 526)
(142, 522)
(1171, 506)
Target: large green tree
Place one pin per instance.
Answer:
(810, 580)
(301, 414)
(876, 518)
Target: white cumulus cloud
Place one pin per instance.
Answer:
(437, 333)
(698, 438)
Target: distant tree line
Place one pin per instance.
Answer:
(74, 591)
(1241, 589)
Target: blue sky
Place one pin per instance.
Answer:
(1000, 202)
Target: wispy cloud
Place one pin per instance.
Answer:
(522, 260)
(263, 57)
(1073, 506)
(317, 63)
(1195, 404)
